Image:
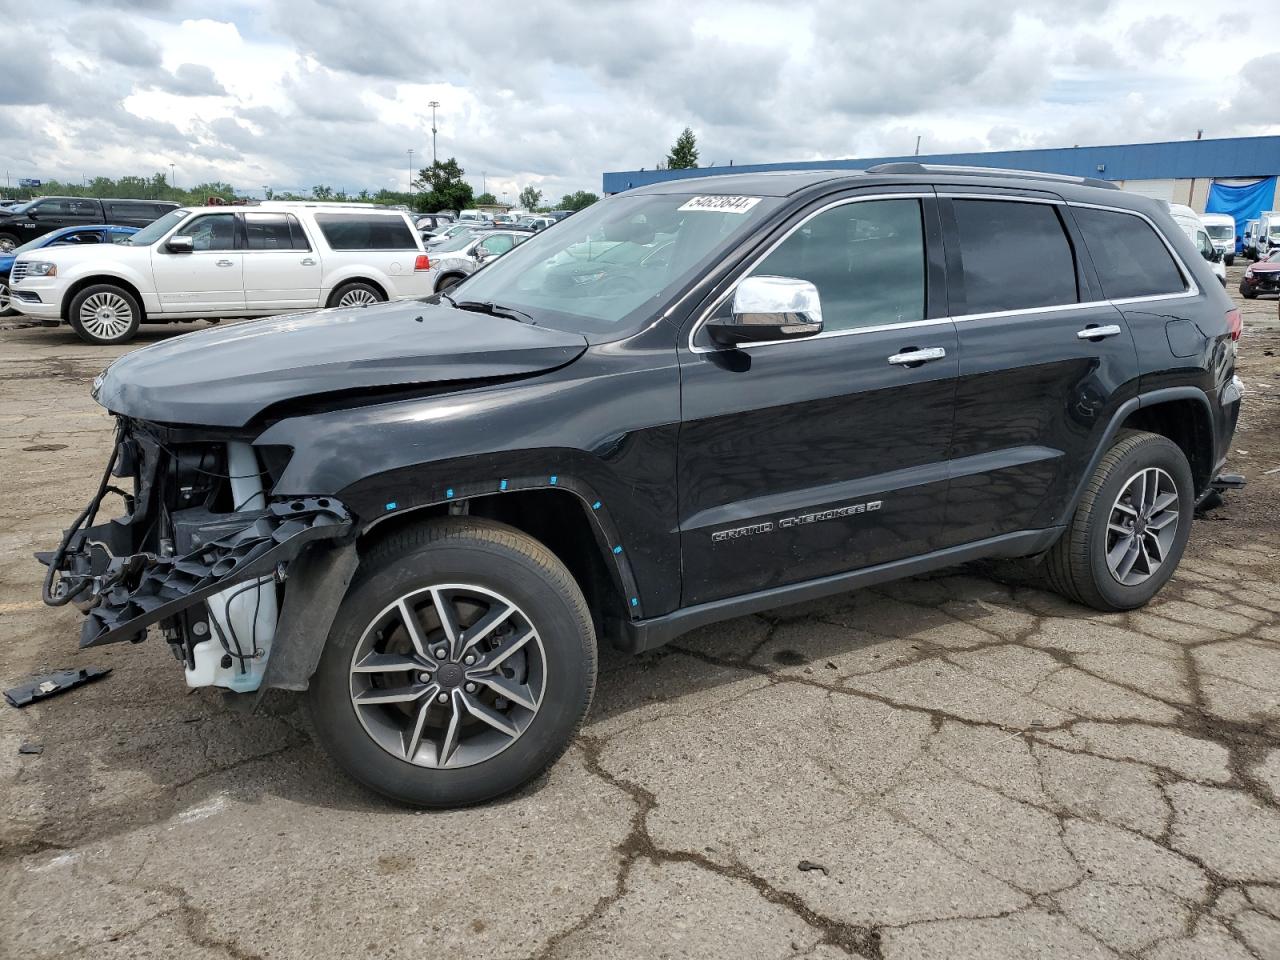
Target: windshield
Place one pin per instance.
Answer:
(157, 229)
(616, 260)
(1220, 231)
(20, 207)
(455, 242)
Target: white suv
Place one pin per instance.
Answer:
(215, 262)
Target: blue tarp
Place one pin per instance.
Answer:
(1243, 203)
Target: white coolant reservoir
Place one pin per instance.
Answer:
(244, 613)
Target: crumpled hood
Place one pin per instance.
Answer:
(224, 376)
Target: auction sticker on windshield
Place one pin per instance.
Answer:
(721, 204)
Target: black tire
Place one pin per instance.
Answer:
(365, 292)
(1229, 259)
(122, 301)
(492, 556)
(1247, 293)
(5, 309)
(448, 281)
(9, 243)
(1076, 566)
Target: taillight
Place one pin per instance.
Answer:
(422, 263)
(1235, 323)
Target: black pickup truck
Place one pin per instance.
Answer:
(689, 402)
(34, 218)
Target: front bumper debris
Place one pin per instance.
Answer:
(123, 595)
(52, 684)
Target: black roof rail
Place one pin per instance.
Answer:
(912, 166)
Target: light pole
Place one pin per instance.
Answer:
(433, 104)
(171, 181)
(411, 171)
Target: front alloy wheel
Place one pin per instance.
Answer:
(448, 675)
(105, 315)
(460, 664)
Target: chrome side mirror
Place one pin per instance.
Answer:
(769, 308)
(180, 244)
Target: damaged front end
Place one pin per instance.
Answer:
(201, 550)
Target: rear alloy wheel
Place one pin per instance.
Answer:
(1142, 527)
(356, 295)
(1130, 528)
(8, 243)
(105, 314)
(460, 664)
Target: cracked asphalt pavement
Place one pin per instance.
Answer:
(965, 765)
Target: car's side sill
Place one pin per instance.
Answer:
(641, 635)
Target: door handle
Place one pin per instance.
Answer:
(308, 262)
(1097, 333)
(226, 263)
(917, 356)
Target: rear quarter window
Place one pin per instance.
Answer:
(357, 232)
(1130, 258)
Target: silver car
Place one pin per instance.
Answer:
(462, 255)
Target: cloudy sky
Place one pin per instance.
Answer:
(294, 93)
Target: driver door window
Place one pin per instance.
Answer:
(215, 231)
(865, 258)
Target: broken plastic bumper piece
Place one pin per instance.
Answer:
(123, 595)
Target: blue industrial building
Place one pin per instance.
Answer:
(1181, 171)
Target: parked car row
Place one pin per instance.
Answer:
(34, 218)
(1261, 236)
(216, 262)
(67, 236)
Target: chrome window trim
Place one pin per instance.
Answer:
(1192, 290)
(843, 201)
(965, 195)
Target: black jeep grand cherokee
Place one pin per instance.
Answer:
(688, 402)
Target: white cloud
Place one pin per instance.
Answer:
(294, 93)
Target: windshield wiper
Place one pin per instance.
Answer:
(493, 309)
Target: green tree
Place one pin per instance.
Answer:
(443, 187)
(684, 155)
(530, 197)
(486, 200)
(577, 200)
(201, 192)
(322, 192)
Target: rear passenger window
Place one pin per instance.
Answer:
(1015, 255)
(1131, 260)
(865, 258)
(369, 232)
(273, 231)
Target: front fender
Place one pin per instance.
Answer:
(604, 428)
